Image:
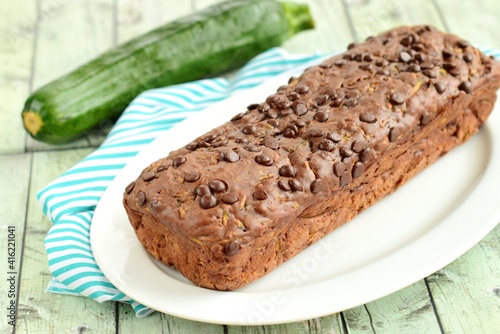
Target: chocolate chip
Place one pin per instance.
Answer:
(283, 104)
(452, 68)
(406, 41)
(202, 190)
(339, 168)
(191, 176)
(440, 87)
(208, 201)
(299, 108)
(264, 107)
(299, 123)
(397, 98)
(316, 133)
(289, 133)
(326, 145)
(253, 106)
(420, 57)
(367, 67)
(463, 44)
(202, 144)
(367, 117)
(232, 248)
(425, 119)
(358, 169)
(273, 113)
(219, 143)
(295, 185)
(161, 168)
(352, 45)
(365, 154)
(270, 142)
(384, 72)
(130, 187)
(287, 171)
(333, 136)
(249, 129)
(318, 186)
(251, 148)
(325, 65)
(345, 179)
(466, 86)
(209, 138)
(426, 65)
(404, 56)
(339, 62)
(414, 68)
(140, 198)
(283, 185)
(357, 146)
(302, 89)
(337, 102)
(358, 57)
(273, 122)
(229, 198)
(259, 195)
(467, 58)
(382, 62)
(446, 54)
(241, 140)
(292, 96)
(217, 186)
(320, 100)
(231, 156)
(321, 116)
(178, 161)
(192, 146)
(394, 134)
(237, 117)
(368, 57)
(264, 160)
(148, 176)
(430, 73)
(351, 103)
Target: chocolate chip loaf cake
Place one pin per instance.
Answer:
(240, 200)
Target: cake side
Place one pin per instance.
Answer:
(242, 199)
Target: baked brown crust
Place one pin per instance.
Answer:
(252, 193)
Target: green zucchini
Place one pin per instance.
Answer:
(212, 41)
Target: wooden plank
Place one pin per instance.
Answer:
(406, 311)
(328, 324)
(475, 20)
(466, 292)
(16, 49)
(162, 323)
(15, 170)
(372, 17)
(70, 33)
(41, 312)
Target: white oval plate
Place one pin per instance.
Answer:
(425, 225)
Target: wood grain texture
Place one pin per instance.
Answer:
(467, 291)
(17, 40)
(46, 38)
(40, 312)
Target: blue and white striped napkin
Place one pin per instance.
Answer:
(69, 201)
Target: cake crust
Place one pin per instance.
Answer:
(240, 200)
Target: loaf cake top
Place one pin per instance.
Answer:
(276, 160)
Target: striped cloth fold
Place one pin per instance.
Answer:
(70, 200)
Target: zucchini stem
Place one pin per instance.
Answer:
(298, 16)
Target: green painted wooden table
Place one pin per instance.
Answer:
(42, 39)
